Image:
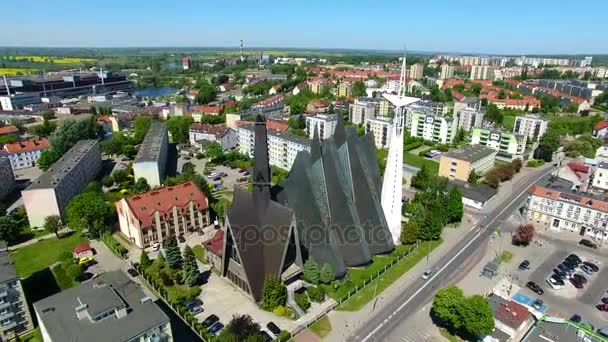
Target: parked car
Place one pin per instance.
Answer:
(555, 284)
(181, 238)
(576, 283)
(592, 266)
(273, 328)
(587, 243)
(210, 320)
(266, 336)
(580, 278)
(132, 272)
(571, 263)
(242, 170)
(559, 273)
(525, 265)
(605, 300)
(194, 306)
(210, 169)
(427, 274)
(216, 328)
(537, 304)
(586, 269)
(602, 307)
(85, 260)
(574, 256)
(535, 288)
(224, 174)
(564, 269)
(575, 318)
(156, 246)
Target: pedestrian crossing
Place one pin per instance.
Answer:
(416, 336)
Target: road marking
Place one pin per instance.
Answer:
(387, 319)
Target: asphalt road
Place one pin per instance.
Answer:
(412, 298)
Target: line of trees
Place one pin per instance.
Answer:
(468, 317)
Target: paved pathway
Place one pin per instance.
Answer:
(37, 239)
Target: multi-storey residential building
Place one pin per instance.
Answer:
(7, 177)
(316, 86)
(469, 118)
(381, 129)
(9, 130)
(111, 307)
(24, 154)
(601, 129)
(282, 146)
(459, 164)
(424, 123)
(386, 107)
(50, 193)
(532, 126)
(481, 72)
(15, 318)
(324, 124)
(150, 217)
(416, 71)
(600, 177)
(467, 102)
(345, 89)
(201, 134)
(362, 109)
(551, 202)
(601, 154)
(447, 71)
(509, 145)
(151, 160)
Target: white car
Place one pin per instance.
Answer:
(426, 275)
(554, 284)
(156, 247)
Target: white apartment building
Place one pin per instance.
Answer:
(15, 318)
(469, 118)
(416, 71)
(201, 134)
(50, 193)
(381, 129)
(447, 71)
(324, 124)
(25, 154)
(509, 145)
(600, 177)
(532, 126)
(364, 108)
(552, 204)
(151, 160)
(282, 146)
(17, 101)
(601, 155)
(482, 72)
(425, 124)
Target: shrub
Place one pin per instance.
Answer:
(523, 235)
(284, 336)
(316, 294)
(74, 271)
(200, 156)
(166, 279)
(280, 311)
(302, 301)
(535, 163)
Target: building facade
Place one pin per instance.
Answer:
(425, 124)
(532, 126)
(600, 177)
(323, 124)
(282, 146)
(469, 118)
(345, 89)
(151, 160)
(201, 134)
(360, 111)
(25, 154)
(416, 71)
(380, 127)
(459, 164)
(482, 72)
(149, 217)
(7, 177)
(509, 145)
(50, 193)
(15, 318)
(447, 71)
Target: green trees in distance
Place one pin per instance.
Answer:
(179, 127)
(65, 136)
(241, 328)
(468, 317)
(585, 145)
(274, 293)
(206, 92)
(140, 128)
(359, 89)
(47, 159)
(52, 224)
(173, 254)
(214, 150)
(90, 211)
(502, 173)
(190, 267)
(311, 271)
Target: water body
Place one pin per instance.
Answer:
(155, 91)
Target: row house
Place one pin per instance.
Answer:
(25, 154)
(201, 134)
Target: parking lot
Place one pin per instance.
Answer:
(233, 176)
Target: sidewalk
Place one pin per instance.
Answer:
(37, 239)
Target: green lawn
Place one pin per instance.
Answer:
(417, 161)
(358, 275)
(41, 255)
(32, 336)
(321, 327)
(509, 122)
(199, 253)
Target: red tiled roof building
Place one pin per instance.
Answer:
(150, 217)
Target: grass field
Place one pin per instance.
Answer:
(38, 256)
(417, 161)
(16, 71)
(321, 327)
(199, 253)
(52, 59)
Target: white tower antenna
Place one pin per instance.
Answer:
(242, 57)
(8, 90)
(403, 76)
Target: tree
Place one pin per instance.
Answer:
(243, 326)
(144, 259)
(523, 235)
(214, 150)
(9, 230)
(93, 186)
(120, 176)
(455, 208)
(47, 159)
(188, 168)
(141, 185)
(445, 306)
(219, 207)
(476, 317)
(72, 131)
(409, 233)
(107, 181)
(311, 271)
(128, 151)
(359, 89)
(274, 293)
(173, 255)
(90, 211)
(190, 267)
(179, 127)
(140, 127)
(206, 92)
(472, 177)
(421, 179)
(327, 275)
(52, 224)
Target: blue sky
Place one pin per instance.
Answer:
(484, 26)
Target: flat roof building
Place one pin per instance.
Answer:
(509, 145)
(458, 164)
(282, 146)
(532, 126)
(15, 316)
(324, 123)
(110, 308)
(151, 160)
(50, 193)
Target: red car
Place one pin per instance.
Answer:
(224, 174)
(242, 170)
(576, 283)
(602, 307)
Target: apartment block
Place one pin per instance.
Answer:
(111, 307)
(345, 89)
(533, 126)
(469, 118)
(386, 108)
(552, 203)
(151, 160)
(447, 71)
(15, 318)
(381, 129)
(424, 123)
(459, 164)
(509, 145)
(416, 71)
(149, 217)
(50, 193)
(600, 177)
(7, 178)
(482, 72)
(201, 134)
(25, 154)
(362, 110)
(282, 146)
(323, 124)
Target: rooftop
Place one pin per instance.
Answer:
(217, 130)
(7, 269)
(8, 130)
(151, 146)
(110, 291)
(555, 188)
(470, 153)
(215, 245)
(479, 193)
(27, 146)
(546, 331)
(281, 135)
(509, 312)
(55, 175)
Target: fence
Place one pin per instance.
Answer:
(114, 245)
